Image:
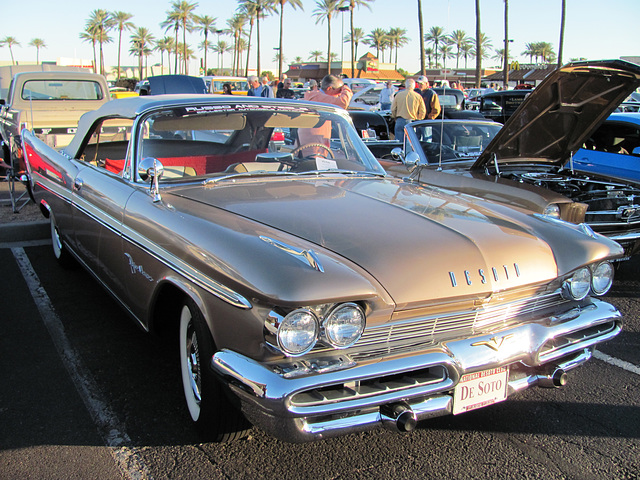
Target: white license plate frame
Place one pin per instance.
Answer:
(479, 389)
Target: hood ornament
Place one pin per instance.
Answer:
(308, 257)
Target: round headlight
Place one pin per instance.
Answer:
(298, 332)
(578, 286)
(344, 325)
(552, 210)
(602, 278)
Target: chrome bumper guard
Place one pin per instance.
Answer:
(416, 386)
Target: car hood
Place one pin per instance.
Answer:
(561, 113)
(452, 243)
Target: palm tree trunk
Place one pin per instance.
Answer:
(246, 70)
(119, 49)
(506, 44)
(562, 18)
(353, 53)
(423, 70)
(478, 47)
(280, 53)
(258, 43)
(329, 46)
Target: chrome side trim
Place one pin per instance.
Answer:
(153, 249)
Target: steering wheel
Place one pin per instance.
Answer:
(308, 145)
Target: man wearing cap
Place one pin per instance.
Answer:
(407, 105)
(431, 100)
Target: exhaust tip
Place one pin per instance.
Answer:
(556, 379)
(398, 417)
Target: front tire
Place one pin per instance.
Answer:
(207, 403)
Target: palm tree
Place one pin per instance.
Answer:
(185, 54)
(358, 35)
(501, 58)
(398, 38)
(172, 22)
(315, 55)
(282, 3)
(99, 23)
(445, 53)
(561, 43)
(421, 43)
(546, 51)
(478, 49)
(141, 46)
(530, 51)
(485, 47)
(459, 38)
(325, 9)
(376, 39)
(38, 43)
(236, 26)
(10, 42)
(467, 51)
(258, 9)
(248, 9)
(429, 53)
(121, 22)
(206, 25)
(435, 36)
(221, 48)
(184, 11)
(166, 44)
(89, 37)
(352, 6)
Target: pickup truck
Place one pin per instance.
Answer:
(49, 103)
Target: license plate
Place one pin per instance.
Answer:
(479, 389)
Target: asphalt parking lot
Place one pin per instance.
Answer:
(85, 394)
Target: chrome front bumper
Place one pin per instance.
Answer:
(366, 395)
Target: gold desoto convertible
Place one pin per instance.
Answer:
(309, 292)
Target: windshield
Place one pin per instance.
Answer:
(451, 141)
(61, 90)
(228, 139)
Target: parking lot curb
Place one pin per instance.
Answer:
(25, 232)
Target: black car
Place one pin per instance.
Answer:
(499, 106)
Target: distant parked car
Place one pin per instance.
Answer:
(533, 153)
(171, 84)
(613, 149)
(499, 106)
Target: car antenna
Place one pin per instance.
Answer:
(495, 163)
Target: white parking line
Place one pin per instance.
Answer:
(630, 367)
(126, 457)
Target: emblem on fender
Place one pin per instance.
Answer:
(494, 343)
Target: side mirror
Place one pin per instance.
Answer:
(151, 169)
(397, 154)
(411, 160)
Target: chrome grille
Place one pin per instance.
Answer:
(428, 330)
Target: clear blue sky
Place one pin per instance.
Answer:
(595, 29)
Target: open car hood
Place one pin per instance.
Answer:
(561, 113)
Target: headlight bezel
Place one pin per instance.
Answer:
(327, 333)
(599, 291)
(279, 320)
(286, 346)
(577, 287)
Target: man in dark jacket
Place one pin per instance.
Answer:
(431, 100)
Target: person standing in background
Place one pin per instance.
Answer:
(386, 96)
(407, 105)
